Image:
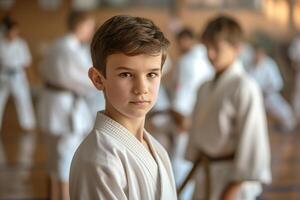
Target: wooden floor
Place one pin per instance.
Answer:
(23, 164)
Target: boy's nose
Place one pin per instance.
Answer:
(140, 87)
(140, 91)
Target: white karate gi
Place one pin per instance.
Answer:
(194, 68)
(14, 57)
(229, 117)
(267, 75)
(64, 114)
(294, 54)
(112, 164)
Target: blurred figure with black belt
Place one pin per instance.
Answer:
(14, 58)
(65, 116)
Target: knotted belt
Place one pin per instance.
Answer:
(204, 160)
(58, 88)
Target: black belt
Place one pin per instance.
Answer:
(9, 72)
(205, 160)
(57, 88)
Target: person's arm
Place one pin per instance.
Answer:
(192, 150)
(231, 191)
(275, 83)
(95, 180)
(25, 54)
(252, 155)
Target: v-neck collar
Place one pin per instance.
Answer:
(235, 68)
(124, 136)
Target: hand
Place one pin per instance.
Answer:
(182, 122)
(231, 191)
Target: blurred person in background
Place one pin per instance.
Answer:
(246, 55)
(192, 70)
(158, 120)
(65, 116)
(294, 55)
(266, 73)
(228, 123)
(14, 58)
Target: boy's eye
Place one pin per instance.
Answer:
(152, 75)
(125, 75)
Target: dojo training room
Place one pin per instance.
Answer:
(249, 146)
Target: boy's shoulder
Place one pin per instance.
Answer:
(98, 155)
(98, 147)
(240, 79)
(236, 80)
(246, 88)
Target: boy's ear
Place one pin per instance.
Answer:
(97, 78)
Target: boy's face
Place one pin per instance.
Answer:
(13, 33)
(185, 44)
(86, 29)
(222, 54)
(131, 84)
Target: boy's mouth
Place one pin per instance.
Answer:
(142, 102)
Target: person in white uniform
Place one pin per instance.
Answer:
(159, 121)
(14, 58)
(266, 73)
(229, 122)
(65, 116)
(192, 70)
(294, 55)
(246, 55)
(119, 159)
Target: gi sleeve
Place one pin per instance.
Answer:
(192, 150)
(92, 180)
(25, 56)
(252, 156)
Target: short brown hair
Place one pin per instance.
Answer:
(223, 28)
(185, 32)
(128, 35)
(76, 17)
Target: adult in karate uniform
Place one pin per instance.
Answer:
(294, 55)
(64, 114)
(192, 70)
(266, 73)
(14, 58)
(229, 121)
(119, 159)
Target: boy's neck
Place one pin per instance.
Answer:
(135, 126)
(221, 71)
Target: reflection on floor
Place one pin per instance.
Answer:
(23, 164)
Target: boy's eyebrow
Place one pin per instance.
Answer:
(130, 69)
(123, 68)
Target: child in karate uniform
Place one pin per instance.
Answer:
(229, 122)
(14, 58)
(119, 159)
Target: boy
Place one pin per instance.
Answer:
(119, 159)
(14, 58)
(64, 114)
(266, 73)
(229, 122)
